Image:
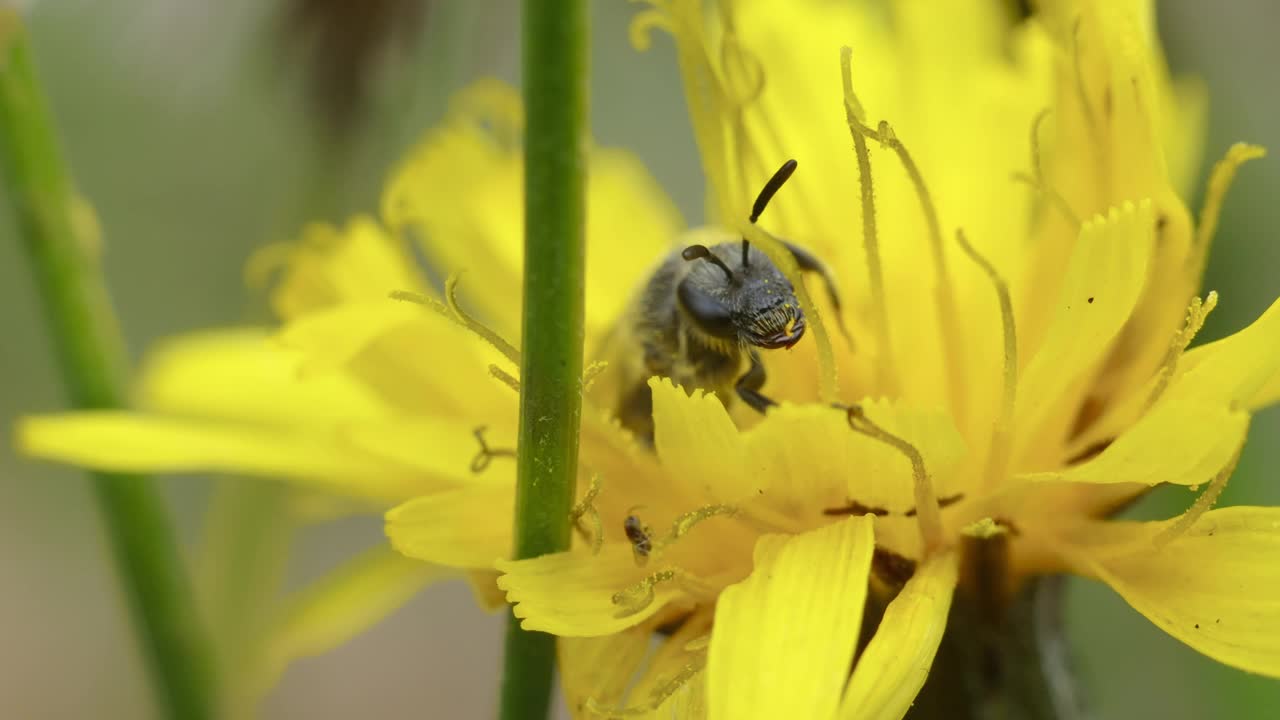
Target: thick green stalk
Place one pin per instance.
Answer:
(555, 96)
(88, 350)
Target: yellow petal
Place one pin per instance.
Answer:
(571, 594)
(345, 603)
(239, 374)
(442, 449)
(631, 226)
(1185, 440)
(130, 442)
(805, 459)
(466, 528)
(459, 190)
(697, 441)
(893, 667)
(1100, 287)
(784, 637)
(1243, 367)
(1216, 588)
(673, 684)
(328, 339)
(360, 261)
(600, 669)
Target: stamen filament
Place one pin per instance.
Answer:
(587, 508)
(886, 377)
(944, 292)
(497, 341)
(1197, 312)
(658, 695)
(686, 522)
(1201, 506)
(1001, 437)
(929, 513)
(1224, 172)
(1054, 196)
(454, 312)
(504, 377)
(636, 598)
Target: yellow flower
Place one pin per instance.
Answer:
(1005, 392)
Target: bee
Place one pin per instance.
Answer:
(703, 314)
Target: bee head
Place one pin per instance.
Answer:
(742, 296)
(749, 304)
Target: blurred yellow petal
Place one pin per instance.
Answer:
(1243, 367)
(631, 226)
(894, 665)
(673, 683)
(572, 594)
(130, 442)
(433, 365)
(440, 448)
(1216, 588)
(240, 374)
(329, 265)
(344, 604)
(600, 669)
(784, 638)
(466, 528)
(461, 191)
(1100, 286)
(328, 339)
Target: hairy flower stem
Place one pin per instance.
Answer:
(89, 352)
(555, 97)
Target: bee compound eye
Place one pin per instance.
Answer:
(710, 314)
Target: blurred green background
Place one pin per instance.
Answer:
(189, 129)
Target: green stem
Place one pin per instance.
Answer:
(88, 349)
(555, 96)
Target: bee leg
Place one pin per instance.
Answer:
(748, 386)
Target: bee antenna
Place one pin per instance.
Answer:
(766, 194)
(694, 252)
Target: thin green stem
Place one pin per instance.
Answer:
(555, 96)
(89, 351)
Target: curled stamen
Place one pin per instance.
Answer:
(686, 522)
(1224, 172)
(475, 326)
(423, 300)
(1054, 196)
(643, 24)
(998, 458)
(885, 376)
(636, 598)
(930, 514)
(504, 377)
(1201, 506)
(481, 461)
(454, 312)
(1037, 168)
(1197, 311)
(586, 508)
